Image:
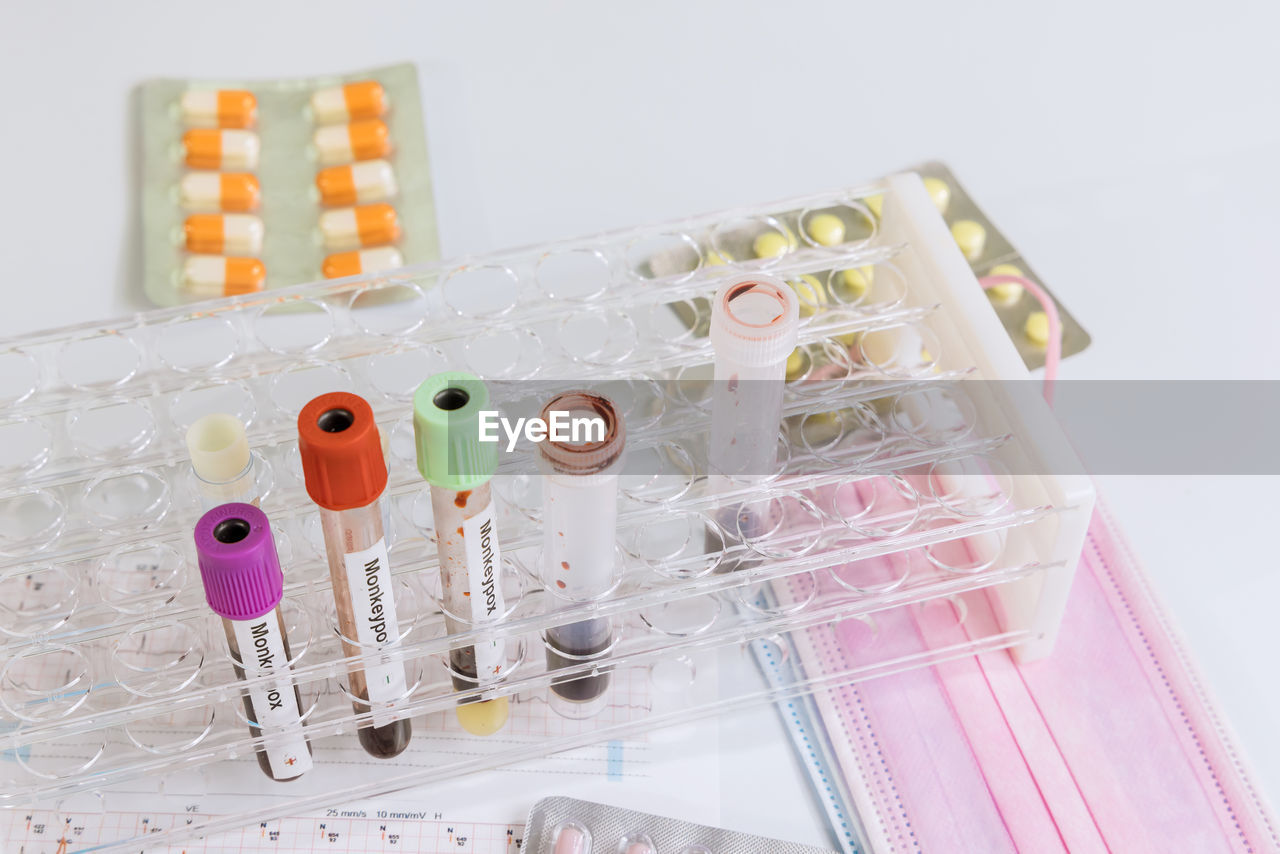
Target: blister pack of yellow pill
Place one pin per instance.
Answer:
(985, 248)
(250, 185)
(990, 253)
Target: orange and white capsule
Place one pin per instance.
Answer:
(356, 183)
(366, 139)
(364, 100)
(363, 226)
(225, 148)
(219, 191)
(362, 261)
(214, 275)
(219, 108)
(224, 234)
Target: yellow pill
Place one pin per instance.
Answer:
(484, 718)
(1008, 293)
(1037, 328)
(715, 259)
(970, 236)
(939, 192)
(854, 283)
(797, 364)
(811, 294)
(772, 244)
(876, 203)
(825, 229)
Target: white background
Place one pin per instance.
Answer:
(1129, 151)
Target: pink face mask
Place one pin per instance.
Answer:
(1109, 744)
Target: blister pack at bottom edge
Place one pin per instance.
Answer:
(563, 825)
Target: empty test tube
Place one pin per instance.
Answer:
(346, 473)
(458, 467)
(221, 461)
(579, 523)
(243, 584)
(754, 328)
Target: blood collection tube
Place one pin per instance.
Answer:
(579, 523)
(458, 466)
(221, 461)
(754, 327)
(243, 584)
(345, 473)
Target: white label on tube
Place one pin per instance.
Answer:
(484, 582)
(369, 580)
(275, 705)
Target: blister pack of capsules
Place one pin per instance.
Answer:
(875, 439)
(560, 825)
(251, 185)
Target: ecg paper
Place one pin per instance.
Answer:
(675, 770)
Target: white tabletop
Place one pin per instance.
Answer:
(1129, 152)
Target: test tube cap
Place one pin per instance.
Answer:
(341, 449)
(590, 456)
(755, 321)
(446, 429)
(218, 447)
(238, 562)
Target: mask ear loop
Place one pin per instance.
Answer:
(1053, 352)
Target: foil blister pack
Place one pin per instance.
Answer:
(989, 252)
(115, 668)
(560, 825)
(253, 185)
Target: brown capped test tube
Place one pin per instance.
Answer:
(581, 459)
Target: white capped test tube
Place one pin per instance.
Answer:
(754, 327)
(581, 459)
(458, 467)
(346, 473)
(221, 461)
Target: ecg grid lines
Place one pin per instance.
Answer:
(54, 831)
